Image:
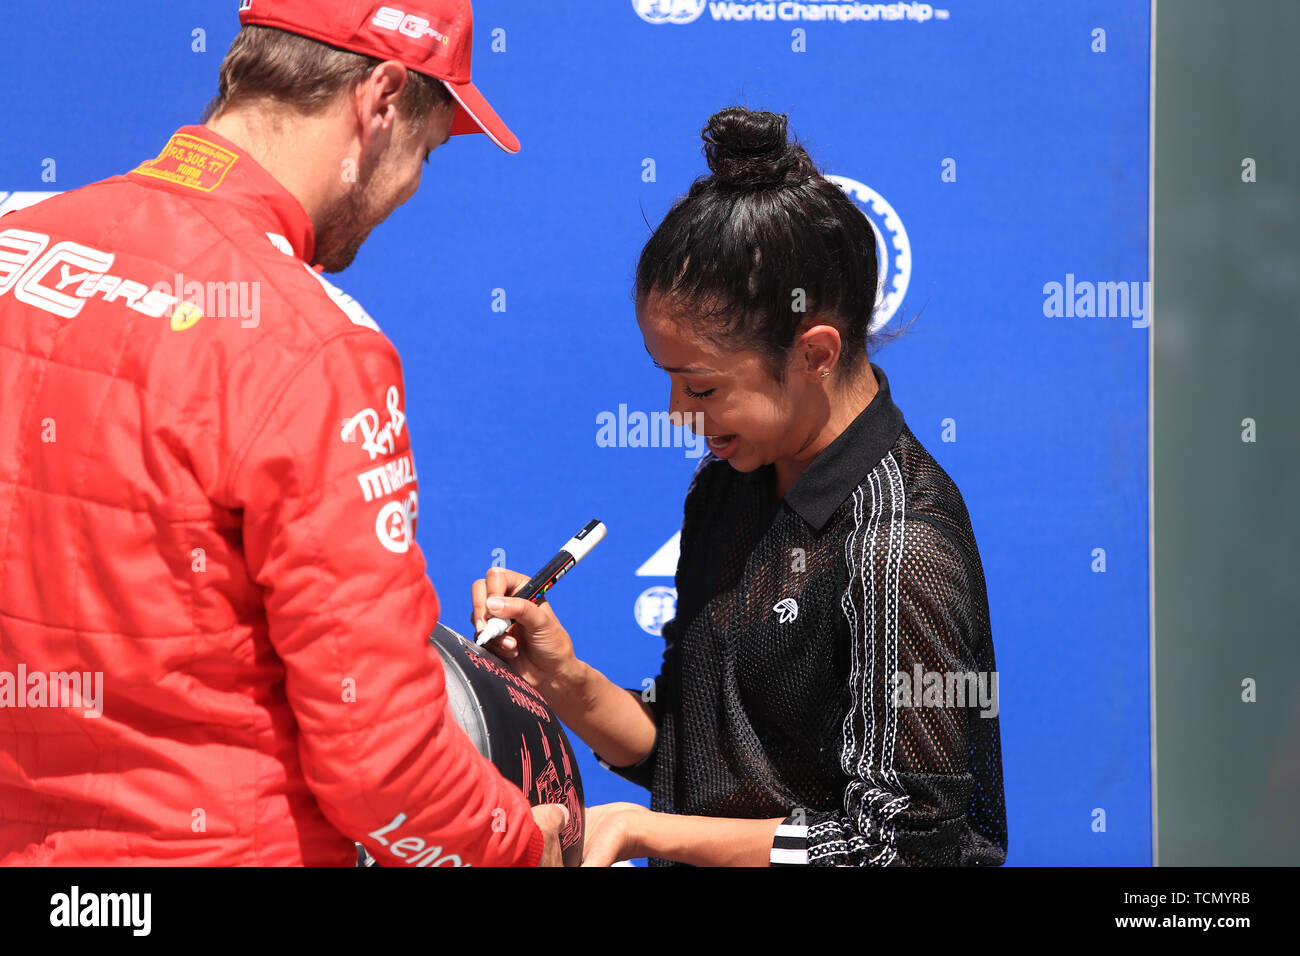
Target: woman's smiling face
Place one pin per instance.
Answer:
(750, 420)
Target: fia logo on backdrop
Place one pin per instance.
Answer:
(657, 605)
(893, 248)
(654, 608)
(749, 11)
(669, 11)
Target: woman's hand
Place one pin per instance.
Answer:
(613, 833)
(537, 645)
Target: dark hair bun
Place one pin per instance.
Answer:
(749, 149)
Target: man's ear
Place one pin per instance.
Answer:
(376, 100)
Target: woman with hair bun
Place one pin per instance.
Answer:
(828, 688)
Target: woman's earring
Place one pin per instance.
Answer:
(825, 372)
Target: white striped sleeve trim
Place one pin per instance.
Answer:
(874, 795)
(790, 846)
(783, 857)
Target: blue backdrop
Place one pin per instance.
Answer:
(998, 147)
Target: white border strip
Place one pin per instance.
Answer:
(481, 125)
(1151, 441)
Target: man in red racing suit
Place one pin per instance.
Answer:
(213, 612)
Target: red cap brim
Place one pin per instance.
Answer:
(474, 115)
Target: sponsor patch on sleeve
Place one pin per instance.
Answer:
(189, 161)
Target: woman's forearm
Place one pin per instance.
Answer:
(618, 726)
(706, 841)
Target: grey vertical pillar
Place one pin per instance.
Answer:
(1227, 432)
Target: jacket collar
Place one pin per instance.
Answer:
(198, 162)
(841, 466)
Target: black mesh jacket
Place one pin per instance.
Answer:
(831, 660)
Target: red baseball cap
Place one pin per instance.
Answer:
(433, 37)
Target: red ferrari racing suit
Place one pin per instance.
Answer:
(213, 612)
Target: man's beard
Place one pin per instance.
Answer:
(342, 230)
(344, 227)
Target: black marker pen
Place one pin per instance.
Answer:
(574, 550)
